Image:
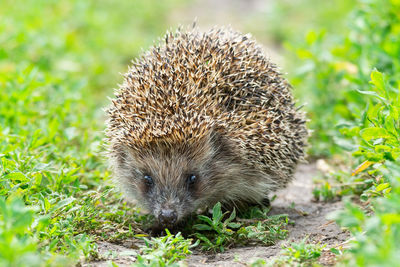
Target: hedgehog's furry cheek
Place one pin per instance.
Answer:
(128, 182)
(126, 171)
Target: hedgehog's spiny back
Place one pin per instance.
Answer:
(197, 82)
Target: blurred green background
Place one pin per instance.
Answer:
(96, 40)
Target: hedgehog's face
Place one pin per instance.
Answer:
(168, 185)
(171, 181)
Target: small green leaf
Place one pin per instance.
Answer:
(374, 133)
(217, 213)
(205, 219)
(204, 239)
(234, 225)
(63, 203)
(371, 93)
(335, 251)
(311, 37)
(378, 81)
(202, 227)
(382, 187)
(17, 176)
(231, 217)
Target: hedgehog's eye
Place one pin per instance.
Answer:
(191, 179)
(148, 180)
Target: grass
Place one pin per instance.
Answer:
(299, 254)
(356, 75)
(164, 251)
(336, 67)
(225, 230)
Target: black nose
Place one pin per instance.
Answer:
(167, 216)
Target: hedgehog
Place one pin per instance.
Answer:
(201, 118)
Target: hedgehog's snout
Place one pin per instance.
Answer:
(170, 209)
(168, 213)
(167, 216)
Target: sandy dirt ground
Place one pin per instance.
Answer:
(296, 200)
